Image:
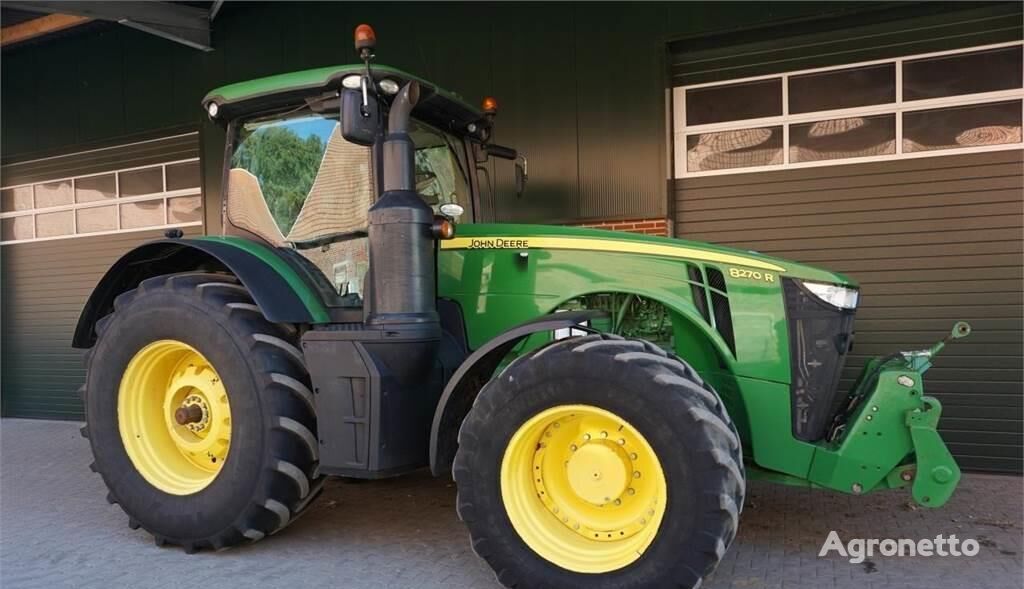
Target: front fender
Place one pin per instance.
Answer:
(281, 293)
(461, 390)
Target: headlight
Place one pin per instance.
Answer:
(833, 294)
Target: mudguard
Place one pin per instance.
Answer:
(459, 393)
(278, 289)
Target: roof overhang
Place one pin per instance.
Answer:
(183, 24)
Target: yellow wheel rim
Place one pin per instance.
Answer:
(583, 488)
(174, 417)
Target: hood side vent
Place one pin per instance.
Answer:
(720, 306)
(699, 291)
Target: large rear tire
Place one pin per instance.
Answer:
(199, 413)
(599, 462)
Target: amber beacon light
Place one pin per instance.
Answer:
(365, 38)
(490, 105)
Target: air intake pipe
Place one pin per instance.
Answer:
(402, 279)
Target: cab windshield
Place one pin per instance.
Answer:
(294, 181)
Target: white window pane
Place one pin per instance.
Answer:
(15, 228)
(139, 182)
(964, 73)
(742, 148)
(842, 138)
(95, 219)
(93, 188)
(185, 209)
(963, 126)
(55, 224)
(734, 102)
(142, 214)
(54, 194)
(849, 88)
(16, 199)
(182, 176)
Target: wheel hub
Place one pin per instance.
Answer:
(598, 473)
(174, 417)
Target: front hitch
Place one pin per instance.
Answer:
(888, 435)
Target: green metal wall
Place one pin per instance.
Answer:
(581, 85)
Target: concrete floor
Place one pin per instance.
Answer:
(56, 530)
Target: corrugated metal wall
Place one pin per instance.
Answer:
(44, 285)
(932, 241)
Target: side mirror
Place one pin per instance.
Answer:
(359, 123)
(521, 175)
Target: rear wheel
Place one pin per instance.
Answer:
(599, 462)
(199, 413)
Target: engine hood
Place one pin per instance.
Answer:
(513, 236)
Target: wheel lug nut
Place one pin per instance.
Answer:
(631, 491)
(636, 474)
(632, 456)
(618, 501)
(622, 441)
(573, 447)
(604, 434)
(586, 437)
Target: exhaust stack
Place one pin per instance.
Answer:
(402, 280)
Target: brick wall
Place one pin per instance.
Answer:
(646, 226)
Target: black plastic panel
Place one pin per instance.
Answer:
(820, 335)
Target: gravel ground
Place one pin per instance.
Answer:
(56, 530)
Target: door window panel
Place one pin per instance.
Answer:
(94, 219)
(842, 138)
(94, 188)
(55, 224)
(742, 148)
(16, 199)
(140, 182)
(848, 88)
(183, 176)
(962, 126)
(136, 215)
(53, 194)
(16, 228)
(734, 102)
(965, 73)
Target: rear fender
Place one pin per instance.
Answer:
(281, 293)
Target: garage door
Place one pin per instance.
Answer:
(904, 172)
(63, 222)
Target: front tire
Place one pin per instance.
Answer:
(199, 413)
(599, 462)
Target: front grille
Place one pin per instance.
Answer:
(820, 336)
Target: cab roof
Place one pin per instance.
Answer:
(441, 108)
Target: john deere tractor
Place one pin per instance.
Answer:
(600, 398)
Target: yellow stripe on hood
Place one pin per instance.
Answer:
(605, 245)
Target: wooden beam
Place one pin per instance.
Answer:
(37, 27)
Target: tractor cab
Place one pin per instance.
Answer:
(296, 178)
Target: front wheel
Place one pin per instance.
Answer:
(599, 462)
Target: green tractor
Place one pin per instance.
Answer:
(600, 398)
